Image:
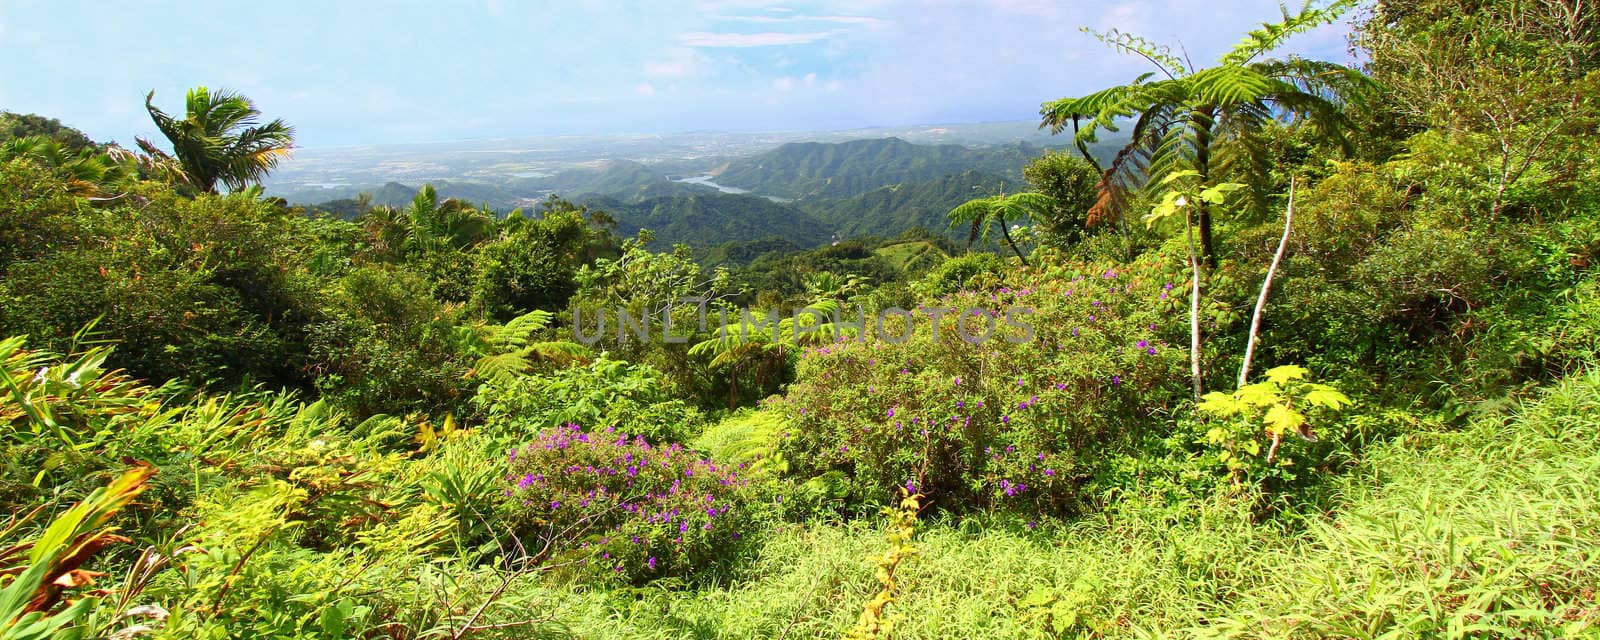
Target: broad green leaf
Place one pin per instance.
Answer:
(1219, 404)
(1325, 396)
(1281, 419)
(1282, 375)
(1260, 394)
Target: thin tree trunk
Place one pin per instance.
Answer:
(1203, 120)
(1266, 285)
(1194, 310)
(1006, 230)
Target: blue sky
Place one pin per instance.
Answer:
(347, 73)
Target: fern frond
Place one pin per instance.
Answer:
(1158, 54)
(1272, 35)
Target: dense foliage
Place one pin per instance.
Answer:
(1249, 375)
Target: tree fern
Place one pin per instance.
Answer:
(750, 438)
(981, 214)
(509, 350)
(1180, 118)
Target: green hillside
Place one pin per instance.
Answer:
(891, 210)
(712, 218)
(815, 170)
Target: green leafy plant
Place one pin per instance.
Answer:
(875, 621)
(1000, 211)
(1262, 415)
(36, 573)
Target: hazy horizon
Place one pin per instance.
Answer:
(360, 74)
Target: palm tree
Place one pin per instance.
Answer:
(1186, 116)
(219, 140)
(427, 225)
(980, 214)
(86, 171)
(452, 222)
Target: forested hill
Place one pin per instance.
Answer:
(818, 170)
(712, 218)
(805, 192)
(890, 210)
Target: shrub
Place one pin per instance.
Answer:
(1009, 424)
(605, 394)
(384, 349)
(617, 506)
(963, 272)
(209, 290)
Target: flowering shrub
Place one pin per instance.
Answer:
(623, 508)
(1010, 423)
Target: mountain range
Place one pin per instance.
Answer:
(807, 193)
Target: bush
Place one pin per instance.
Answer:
(1021, 426)
(605, 394)
(621, 508)
(209, 290)
(972, 270)
(384, 349)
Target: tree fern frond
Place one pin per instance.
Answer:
(1158, 54)
(516, 332)
(1272, 35)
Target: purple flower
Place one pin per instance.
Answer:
(651, 562)
(1116, 381)
(891, 413)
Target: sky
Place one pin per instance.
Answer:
(357, 73)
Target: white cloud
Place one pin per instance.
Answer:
(644, 89)
(811, 79)
(785, 83)
(707, 39)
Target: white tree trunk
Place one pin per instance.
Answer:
(1266, 285)
(1194, 309)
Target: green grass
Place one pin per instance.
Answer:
(906, 255)
(1493, 531)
